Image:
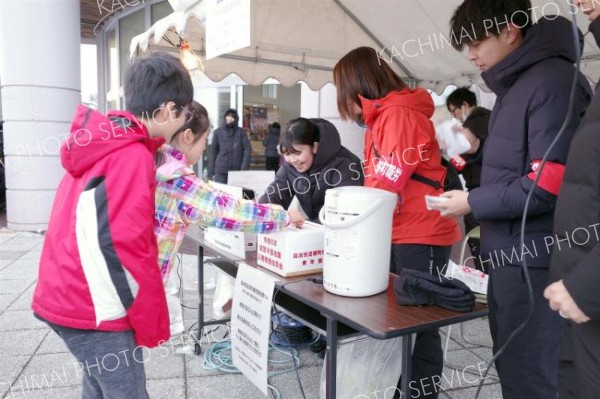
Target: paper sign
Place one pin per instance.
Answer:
(227, 26)
(234, 191)
(476, 280)
(257, 180)
(251, 324)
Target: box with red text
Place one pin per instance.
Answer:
(292, 251)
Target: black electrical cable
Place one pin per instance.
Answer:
(530, 193)
(294, 335)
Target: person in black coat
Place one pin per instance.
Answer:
(462, 105)
(230, 149)
(575, 265)
(270, 142)
(315, 161)
(530, 68)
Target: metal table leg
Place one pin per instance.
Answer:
(330, 372)
(406, 365)
(197, 348)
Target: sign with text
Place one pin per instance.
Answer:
(250, 324)
(227, 27)
(257, 180)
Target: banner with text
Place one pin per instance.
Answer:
(227, 27)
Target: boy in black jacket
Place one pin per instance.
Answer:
(575, 266)
(530, 68)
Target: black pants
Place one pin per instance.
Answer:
(579, 365)
(528, 366)
(272, 163)
(221, 177)
(428, 356)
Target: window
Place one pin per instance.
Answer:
(269, 91)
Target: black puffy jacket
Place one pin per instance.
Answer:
(230, 149)
(576, 245)
(333, 166)
(532, 85)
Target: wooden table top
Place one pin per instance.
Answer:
(378, 316)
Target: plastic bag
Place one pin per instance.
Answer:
(366, 366)
(450, 137)
(190, 273)
(223, 299)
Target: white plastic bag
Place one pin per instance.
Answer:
(366, 366)
(223, 295)
(450, 137)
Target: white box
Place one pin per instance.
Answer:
(234, 242)
(292, 251)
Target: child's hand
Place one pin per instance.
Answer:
(296, 217)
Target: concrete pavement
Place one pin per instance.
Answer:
(34, 363)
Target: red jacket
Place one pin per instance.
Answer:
(399, 130)
(98, 265)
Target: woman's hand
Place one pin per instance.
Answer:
(296, 217)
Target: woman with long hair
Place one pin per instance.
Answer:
(401, 156)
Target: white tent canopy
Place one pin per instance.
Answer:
(301, 40)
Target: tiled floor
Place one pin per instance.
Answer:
(34, 363)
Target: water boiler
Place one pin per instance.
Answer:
(358, 229)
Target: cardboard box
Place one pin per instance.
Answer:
(292, 251)
(234, 242)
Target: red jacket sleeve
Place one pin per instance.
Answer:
(130, 197)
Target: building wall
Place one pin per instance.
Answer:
(323, 104)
